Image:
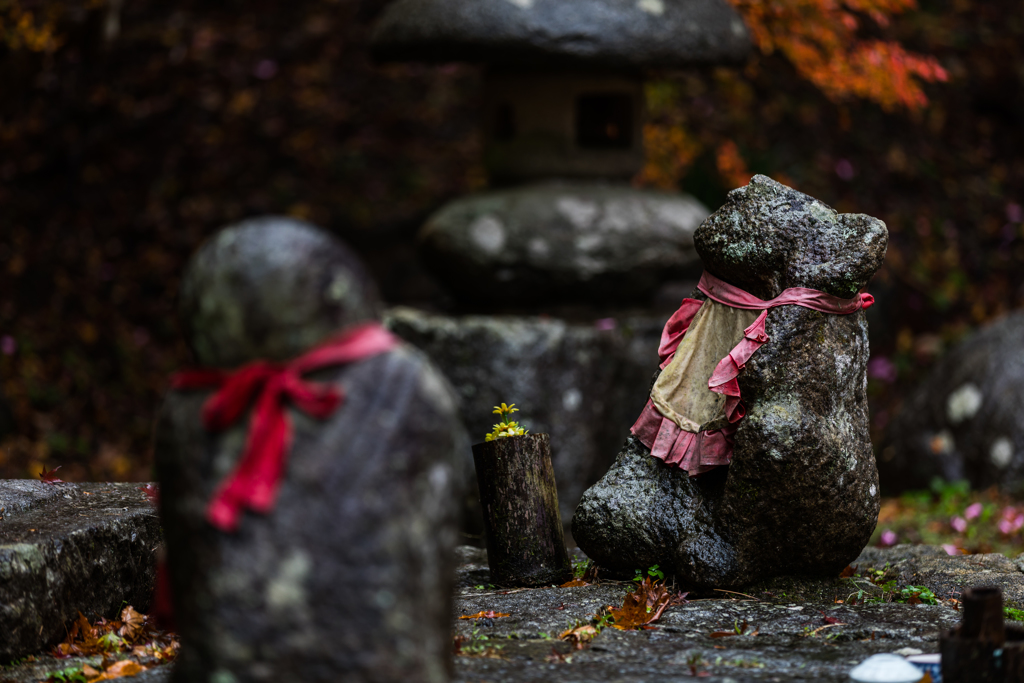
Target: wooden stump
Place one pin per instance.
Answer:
(525, 542)
(982, 649)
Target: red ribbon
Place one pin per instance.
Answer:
(256, 478)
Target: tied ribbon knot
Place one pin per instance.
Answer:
(255, 481)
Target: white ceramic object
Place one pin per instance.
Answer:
(886, 668)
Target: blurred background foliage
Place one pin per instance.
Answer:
(131, 131)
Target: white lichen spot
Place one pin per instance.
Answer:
(590, 242)
(440, 475)
(340, 284)
(1001, 452)
(683, 215)
(538, 248)
(525, 4)
(623, 215)
(872, 490)
(572, 399)
(384, 598)
(287, 591)
(579, 212)
(488, 234)
(655, 7)
(964, 403)
(222, 676)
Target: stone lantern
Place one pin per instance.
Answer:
(563, 114)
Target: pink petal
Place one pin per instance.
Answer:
(959, 524)
(972, 511)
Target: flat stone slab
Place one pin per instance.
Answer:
(795, 631)
(70, 548)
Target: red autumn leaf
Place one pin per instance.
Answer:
(722, 634)
(485, 615)
(152, 492)
(50, 476)
(848, 572)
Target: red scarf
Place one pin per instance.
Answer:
(256, 478)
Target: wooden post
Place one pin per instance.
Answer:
(525, 542)
(983, 649)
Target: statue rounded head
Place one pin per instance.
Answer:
(769, 237)
(271, 288)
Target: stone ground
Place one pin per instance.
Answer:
(790, 634)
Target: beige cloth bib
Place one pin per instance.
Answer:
(681, 393)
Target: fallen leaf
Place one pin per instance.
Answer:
(89, 672)
(50, 476)
(848, 572)
(132, 623)
(722, 634)
(579, 636)
(485, 615)
(575, 583)
(152, 492)
(123, 669)
(644, 605)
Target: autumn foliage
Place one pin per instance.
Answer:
(821, 39)
(131, 132)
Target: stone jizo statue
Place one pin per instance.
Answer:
(310, 471)
(752, 457)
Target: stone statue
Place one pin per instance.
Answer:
(310, 472)
(752, 457)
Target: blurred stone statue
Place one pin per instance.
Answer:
(310, 472)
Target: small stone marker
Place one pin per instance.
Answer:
(313, 540)
(525, 544)
(753, 456)
(70, 548)
(886, 668)
(983, 649)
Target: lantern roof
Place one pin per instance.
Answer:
(623, 34)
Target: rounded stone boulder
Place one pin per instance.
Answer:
(966, 419)
(562, 241)
(614, 33)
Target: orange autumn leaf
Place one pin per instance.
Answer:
(644, 605)
(122, 669)
(580, 636)
(485, 615)
(132, 622)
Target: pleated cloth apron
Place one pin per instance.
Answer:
(695, 405)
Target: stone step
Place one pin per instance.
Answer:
(70, 548)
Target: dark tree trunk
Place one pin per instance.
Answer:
(525, 545)
(982, 649)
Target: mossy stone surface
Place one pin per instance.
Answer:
(70, 548)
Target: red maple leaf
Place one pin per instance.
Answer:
(50, 476)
